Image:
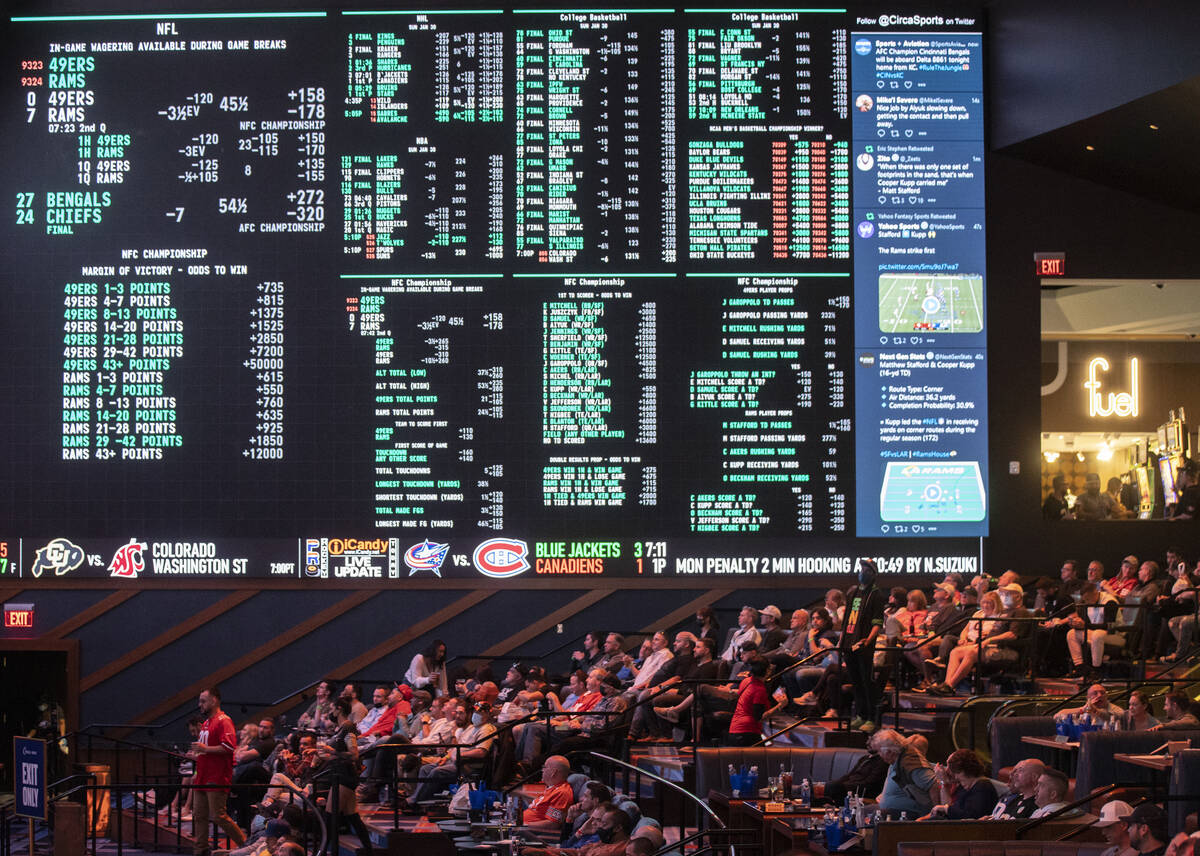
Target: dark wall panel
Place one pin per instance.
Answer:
(1054, 62)
(135, 622)
(199, 653)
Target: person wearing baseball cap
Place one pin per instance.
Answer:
(1148, 830)
(1114, 824)
(772, 633)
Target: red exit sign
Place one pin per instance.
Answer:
(18, 616)
(1050, 264)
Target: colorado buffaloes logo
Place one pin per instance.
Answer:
(501, 558)
(426, 557)
(61, 555)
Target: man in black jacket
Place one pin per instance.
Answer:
(864, 623)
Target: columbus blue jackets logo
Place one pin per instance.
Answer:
(426, 557)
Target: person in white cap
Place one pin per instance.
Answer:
(772, 634)
(1114, 824)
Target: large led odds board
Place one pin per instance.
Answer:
(399, 294)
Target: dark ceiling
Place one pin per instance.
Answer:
(1127, 153)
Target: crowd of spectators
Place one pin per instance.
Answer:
(417, 735)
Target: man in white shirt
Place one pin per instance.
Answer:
(660, 654)
(743, 633)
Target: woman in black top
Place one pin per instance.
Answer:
(341, 754)
(974, 795)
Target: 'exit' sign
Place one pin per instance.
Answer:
(18, 616)
(1050, 264)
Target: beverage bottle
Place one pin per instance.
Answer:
(805, 793)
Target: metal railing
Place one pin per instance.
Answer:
(702, 810)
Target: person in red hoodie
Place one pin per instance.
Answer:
(213, 753)
(745, 728)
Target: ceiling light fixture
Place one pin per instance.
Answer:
(1090, 148)
(1153, 127)
(1080, 457)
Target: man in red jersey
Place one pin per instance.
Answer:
(548, 811)
(213, 752)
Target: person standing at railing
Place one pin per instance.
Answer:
(213, 753)
(864, 624)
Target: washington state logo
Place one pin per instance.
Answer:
(128, 561)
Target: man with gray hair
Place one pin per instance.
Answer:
(743, 633)
(909, 777)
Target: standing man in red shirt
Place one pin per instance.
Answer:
(213, 753)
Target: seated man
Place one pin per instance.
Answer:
(909, 777)
(936, 636)
(1051, 795)
(793, 644)
(1114, 826)
(594, 729)
(710, 699)
(612, 830)
(475, 739)
(744, 633)
(1097, 706)
(1021, 800)
(531, 736)
(385, 724)
(378, 706)
(594, 794)
(250, 768)
(771, 631)
(1176, 710)
(1087, 629)
(1148, 830)
(548, 812)
(660, 655)
(694, 661)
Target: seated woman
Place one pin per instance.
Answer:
(966, 794)
(965, 655)
(1140, 716)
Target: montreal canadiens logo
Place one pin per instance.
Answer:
(426, 557)
(501, 558)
